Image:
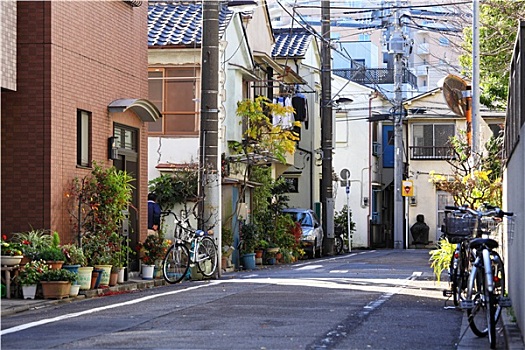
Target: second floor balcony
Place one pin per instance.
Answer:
(431, 153)
(372, 76)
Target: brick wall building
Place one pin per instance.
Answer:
(74, 59)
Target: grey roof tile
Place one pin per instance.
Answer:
(179, 23)
(291, 42)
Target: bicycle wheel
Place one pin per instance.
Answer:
(479, 314)
(207, 258)
(338, 245)
(176, 263)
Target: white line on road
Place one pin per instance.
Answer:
(102, 308)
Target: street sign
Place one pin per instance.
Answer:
(345, 174)
(407, 188)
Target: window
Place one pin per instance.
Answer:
(293, 184)
(443, 199)
(431, 141)
(174, 92)
(83, 138)
(126, 138)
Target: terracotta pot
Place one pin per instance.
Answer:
(55, 265)
(113, 278)
(259, 254)
(55, 289)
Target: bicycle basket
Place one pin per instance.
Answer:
(498, 226)
(459, 226)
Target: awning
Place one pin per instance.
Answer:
(144, 109)
(288, 74)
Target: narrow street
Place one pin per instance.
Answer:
(363, 300)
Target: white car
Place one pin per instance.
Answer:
(312, 232)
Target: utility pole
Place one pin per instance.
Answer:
(327, 199)
(398, 48)
(209, 171)
(475, 77)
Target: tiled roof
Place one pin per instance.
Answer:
(291, 42)
(179, 23)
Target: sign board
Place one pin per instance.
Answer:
(345, 174)
(407, 188)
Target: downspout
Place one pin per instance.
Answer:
(311, 175)
(373, 95)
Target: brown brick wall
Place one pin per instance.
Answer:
(71, 55)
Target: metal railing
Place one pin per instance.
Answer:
(431, 153)
(375, 76)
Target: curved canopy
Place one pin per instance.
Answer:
(144, 109)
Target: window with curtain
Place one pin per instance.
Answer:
(174, 91)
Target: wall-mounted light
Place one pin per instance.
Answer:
(112, 148)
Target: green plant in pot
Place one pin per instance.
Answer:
(250, 238)
(74, 255)
(97, 249)
(58, 275)
(51, 254)
(33, 241)
(31, 273)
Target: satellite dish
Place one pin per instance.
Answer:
(453, 87)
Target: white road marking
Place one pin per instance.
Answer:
(339, 271)
(309, 267)
(102, 308)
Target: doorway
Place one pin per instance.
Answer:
(126, 142)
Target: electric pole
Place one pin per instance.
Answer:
(398, 48)
(327, 199)
(209, 171)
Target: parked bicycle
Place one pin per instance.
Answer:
(485, 294)
(190, 248)
(458, 229)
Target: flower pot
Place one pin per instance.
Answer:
(259, 254)
(8, 260)
(95, 278)
(121, 274)
(55, 265)
(55, 289)
(270, 261)
(84, 277)
(248, 261)
(106, 272)
(113, 278)
(72, 268)
(147, 272)
(73, 291)
(29, 291)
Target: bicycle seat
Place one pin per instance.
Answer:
(200, 233)
(478, 242)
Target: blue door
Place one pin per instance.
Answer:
(388, 146)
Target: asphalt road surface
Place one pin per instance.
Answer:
(385, 299)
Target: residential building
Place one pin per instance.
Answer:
(358, 149)
(429, 125)
(299, 49)
(246, 70)
(514, 194)
(81, 88)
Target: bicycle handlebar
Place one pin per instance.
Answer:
(493, 210)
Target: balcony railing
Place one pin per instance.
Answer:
(375, 76)
(431, 153)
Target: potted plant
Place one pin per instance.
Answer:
(53, 256)
(152, 252)
(121, 254)
(249, 241)
(29, 276)
(11, 252)
(32, 242)
(56, 284)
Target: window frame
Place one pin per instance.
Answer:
(446, 151)
(84, 135)
(167, 116)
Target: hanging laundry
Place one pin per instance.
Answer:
(300, 106)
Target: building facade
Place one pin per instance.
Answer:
(80, 82)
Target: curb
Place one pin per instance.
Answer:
(511, 332)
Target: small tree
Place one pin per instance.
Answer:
(341, 221)
(475, 179)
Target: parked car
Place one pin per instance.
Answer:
(312, 232)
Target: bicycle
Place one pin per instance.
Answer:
(485, 296)
(190, 248)
(458, 228)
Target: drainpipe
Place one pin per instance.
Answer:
(373, 95)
